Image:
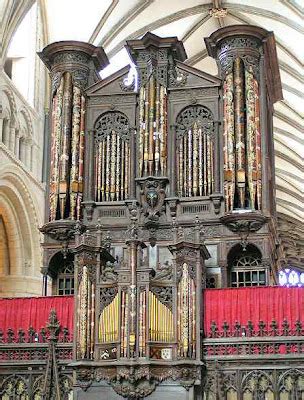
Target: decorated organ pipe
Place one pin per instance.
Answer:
(155, 61)
(112, 157)
(195, 152)
(71, 65)
(249, 79)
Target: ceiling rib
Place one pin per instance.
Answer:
(124, 21)
(265, 13)
(103, 20)
(160, 23)
(195, 27)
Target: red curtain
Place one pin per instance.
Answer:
(254, 304)
(23, 313)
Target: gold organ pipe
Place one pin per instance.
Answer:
(151, 124)
(200, 163)
(113, 158)
(146, 131)
(180, 167)
(160, 320)
(185, 164)
(118, 168)
(164, 128)
(141, 130)
(92, 320)
(127, 170)
(102, 163)
(195, 159)
(157, 130)
(107, 177)
(190, 155)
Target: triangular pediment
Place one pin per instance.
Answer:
(193, 77)
(113, 84)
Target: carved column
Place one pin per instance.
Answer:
(73, 66)
(90, 256)
(239, 50)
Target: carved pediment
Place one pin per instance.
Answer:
(117, 83)
(185, 77)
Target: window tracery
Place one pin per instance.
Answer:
(290, 277)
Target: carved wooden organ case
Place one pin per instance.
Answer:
(146, 170)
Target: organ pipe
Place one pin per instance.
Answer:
(160, 320)
(67, 150)
(195, 163)
(112, 168)
(242, 139)
(152, 142)
(109, 322)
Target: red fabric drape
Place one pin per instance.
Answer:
(23, 313)
(254, 304)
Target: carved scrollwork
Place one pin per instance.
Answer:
(198, 114)
(164, 294)
(109, 122)
(177, 77)
(106, 296)
(153, 197)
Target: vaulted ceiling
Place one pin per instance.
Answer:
(110, 23)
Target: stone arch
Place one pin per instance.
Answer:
(12, 102)
(21, 219)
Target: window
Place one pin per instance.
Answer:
(246, 268)
(61, 270)
(291, 277)
(65, 280)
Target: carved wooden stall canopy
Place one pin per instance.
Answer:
(160, 183)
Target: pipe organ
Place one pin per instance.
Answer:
(112, 157)
(142, 175)
(195, 152)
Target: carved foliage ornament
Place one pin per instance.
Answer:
(140, 382)
(112, 122)
(232, 48)
(79, 77)
(198, 114)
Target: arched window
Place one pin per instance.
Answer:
(291, 277)
(112, 157)
(195, 151)
(61, 269)
(246, 267)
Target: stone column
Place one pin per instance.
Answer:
(73, 66)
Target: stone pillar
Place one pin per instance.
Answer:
(73, 66)
(247, 59)
(17, 140)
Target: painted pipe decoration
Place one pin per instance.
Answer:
(242, 139)
(186, 310)
(195, 163)
(67, 150)
(152, 142)
(112, 157)
(86, 316)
